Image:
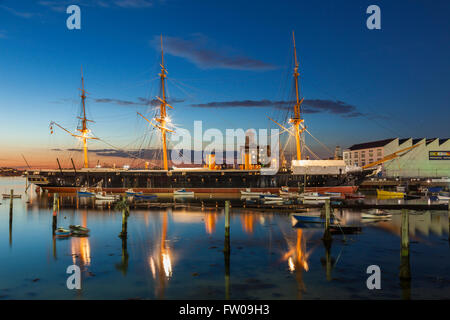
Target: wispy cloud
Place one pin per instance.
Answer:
(61, 5)
(18, 13)
(309, 106)
(140, 101)
(133, 3)
(199, 50)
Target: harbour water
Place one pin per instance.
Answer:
(179, 254)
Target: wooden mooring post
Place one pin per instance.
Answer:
(11, 216)
(405, 268)
(226, 250)
(55, 212)
(327, 233)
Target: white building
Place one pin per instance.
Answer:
(431, 157)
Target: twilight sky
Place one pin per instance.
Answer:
(230, 65)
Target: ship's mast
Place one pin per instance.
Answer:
(296, 120)
(84, 130)
(84, 136)
(163, 118)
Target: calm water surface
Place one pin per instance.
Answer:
(178, 254)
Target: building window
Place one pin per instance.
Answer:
(371, 160)
(379, 152)
(355, 155)
(363, 163)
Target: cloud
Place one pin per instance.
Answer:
(200, 52)
(133, 3)
(17, 13)
(308, 106)
(145, 153)
(140, 101)
(61, 5)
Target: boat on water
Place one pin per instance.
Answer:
(284, 192)
(375, 215)
(274, 202)
(85, 192)
(300, 175)
(443, 197)
(183, 192)
(249, 193)
(131, 192)
(62, 233)
(314, 197)
(145, 196)
(103, 196)
(78, 230)
(389, 194)
(333, 195)
(311, 219)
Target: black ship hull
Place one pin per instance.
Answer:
(201, 181)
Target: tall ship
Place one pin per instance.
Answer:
(301, 175)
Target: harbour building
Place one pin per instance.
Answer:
(409, 158)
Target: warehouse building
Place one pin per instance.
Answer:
(429, 158)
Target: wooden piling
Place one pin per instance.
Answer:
(55, 210)
(327, 233)
(405, 270)
(11, 199)
(226, 250)
(11, 217)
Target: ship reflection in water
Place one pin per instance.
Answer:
(180, 253)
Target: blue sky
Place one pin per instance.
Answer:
(361, 84)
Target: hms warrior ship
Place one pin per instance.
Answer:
(303, 175)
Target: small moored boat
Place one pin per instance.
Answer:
(183, 192)
(104, 196)
(78, 230)
(145, 196)
(375, 215)
(84, 192)
(131, 192)
(249, 193)
(333, 195)
(389, 194)
(62, 233)
(311, 219)
(443, 197)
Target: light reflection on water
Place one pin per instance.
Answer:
(178, 254)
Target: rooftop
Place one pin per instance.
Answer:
(372, 144)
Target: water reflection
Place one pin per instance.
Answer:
(160, 261)
(80, 246)
(265, 257)
(248, 221)
(210, 222)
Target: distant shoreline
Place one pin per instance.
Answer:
(10, 172)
